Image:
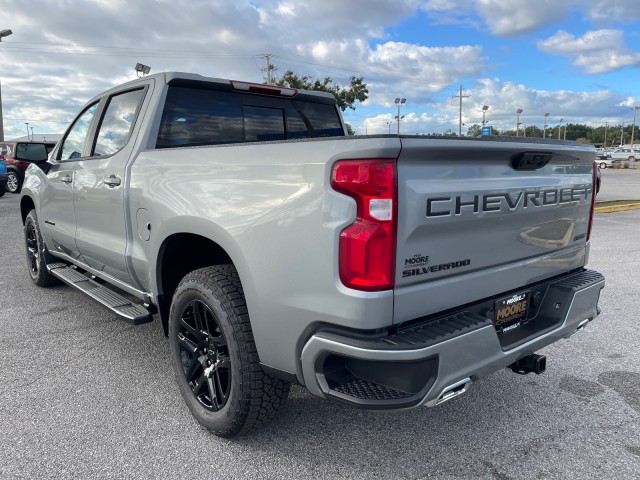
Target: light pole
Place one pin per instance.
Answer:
(606, 125)
(560, 127)
(633, 127)
(399, 102)
(31, 133)
(389, 125)
(27, 124)
(565, 132)
(518, 112)
(544, 129)
(484, 114)
(3, 33)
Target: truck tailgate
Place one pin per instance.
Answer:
(474, 222)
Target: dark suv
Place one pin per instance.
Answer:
(16, 168)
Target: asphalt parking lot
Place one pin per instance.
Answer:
(619, 184)
(84, 395)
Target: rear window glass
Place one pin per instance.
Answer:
(208, 117)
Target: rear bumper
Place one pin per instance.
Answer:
(414, 365)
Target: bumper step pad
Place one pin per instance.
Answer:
(124, 308)
(365, 390)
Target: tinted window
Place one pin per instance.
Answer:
(312, 120)
(262, 124)
(34, 152)
(198, 117)
(117, 122)
(207, 117)
(73, 145)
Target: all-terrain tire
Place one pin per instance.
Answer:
(214, 355)
(37, 255)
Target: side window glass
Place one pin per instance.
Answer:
(74, 143)
(117, 122)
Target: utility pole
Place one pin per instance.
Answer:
(1, 119)
(3, 33)
(269, 68)
(460, 96)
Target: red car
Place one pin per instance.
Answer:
(16, 168)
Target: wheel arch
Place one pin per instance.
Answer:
(179, 254)
(26, 205)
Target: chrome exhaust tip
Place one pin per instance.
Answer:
(581, 326)
(454, 390)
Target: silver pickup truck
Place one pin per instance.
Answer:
(381, 271)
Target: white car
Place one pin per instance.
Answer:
(625, 153)
(607, 162)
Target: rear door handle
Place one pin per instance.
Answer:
(112, 181)
(66, 178)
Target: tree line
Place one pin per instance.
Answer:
(578, 132)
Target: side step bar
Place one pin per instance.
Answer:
(124, 308)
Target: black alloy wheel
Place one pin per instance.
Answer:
(214, 354)
(37, 255)
(204, 355)
(33, 249)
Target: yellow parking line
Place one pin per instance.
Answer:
(617, 208)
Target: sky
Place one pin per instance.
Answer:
(577, 60)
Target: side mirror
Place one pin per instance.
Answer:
(31, 152)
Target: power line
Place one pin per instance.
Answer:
(111, 51)
(9, 45)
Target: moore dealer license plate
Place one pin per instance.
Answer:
(511, 311)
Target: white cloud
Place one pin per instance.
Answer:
(511, 18)
(518, 17)
(597, 51)
(503, 99)
(515, 18)
(608, 11)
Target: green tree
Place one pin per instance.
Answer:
(474, 130)
(345, 96)
(534, 131)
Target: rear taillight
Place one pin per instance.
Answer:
(593, 198)
(367, 246)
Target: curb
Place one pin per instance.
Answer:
(617, 208)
